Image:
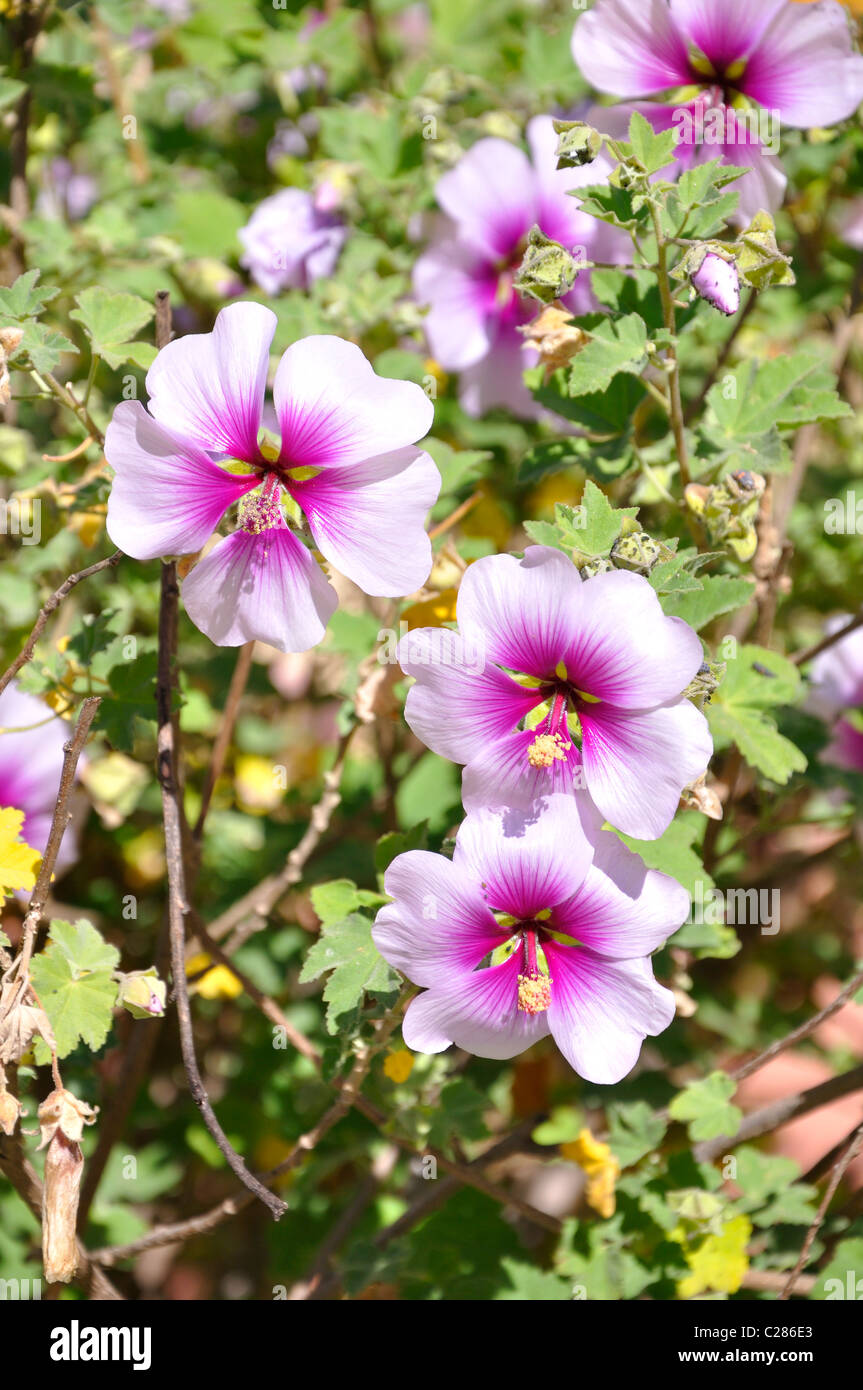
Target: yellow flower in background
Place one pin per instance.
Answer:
(432, 612)
(88, 526)
(719, 1263)
(488, 520)
(257, 784)
(218, 983)
(398, 1065)
(601, 1169)
(19, 864)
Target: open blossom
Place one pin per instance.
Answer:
(31, 761)
(345, 461)
(292, 239)
(713, 63)
(543, 661)
(534, 927)
(492, 198)
(837, 693)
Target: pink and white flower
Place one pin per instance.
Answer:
(837, 692)
(722, 56)
(543, 659)
(345, 461)
(31, 761)
(532, 928)
(491, 199)
(292, 239)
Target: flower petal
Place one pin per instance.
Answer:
(527, 861)
(805, 67)
(167, 497)
(491, 195)
(334, 409)
(631, 50)
(602, 1010)
(636, 762)
(459, 287)
(369, 519)
(502, 775)
(208, 388)
(439, 927)
(625, 649)
(481, 1015)
(264, 588)
(460, 702)
(622, 909)
(726, 31)
(524, 610)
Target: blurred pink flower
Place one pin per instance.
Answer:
(492, 198)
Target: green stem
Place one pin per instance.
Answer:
(675, 402)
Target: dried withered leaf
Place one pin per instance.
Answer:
(62, 1117)
(20, 1026)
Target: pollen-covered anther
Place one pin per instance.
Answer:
(546, 749)
(260, 512)
(534, 993)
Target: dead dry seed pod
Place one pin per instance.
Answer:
(10, 1107)
(10, 341)
(62, 1117)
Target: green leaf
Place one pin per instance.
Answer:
(25, 298)
(332, 901)
(706, 1109)
(531, 1285)
(457, 467)
(634, 1130)
(673, 853)
(74, 982)
(719, 593)
(616, 345)
(346, 949)
(794, 389)
(755, 681)
(459, 1110)
(44, 346)
(653, 150)
(589, 529)
(842, 1278)
(111, 321)
(398, 842)
(563, 1125)
(131, 711)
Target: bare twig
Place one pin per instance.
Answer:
(60, 820)
(802, 1031)
(675, 403)
(177, 899)
(226, 729)
(855, 1144)
(830, 640)
(780, 1112)
(256, 905)
(26, 654)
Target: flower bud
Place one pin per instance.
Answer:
(142, 993)
(717, 281)
(577, 143)
(547, 271)
(637, 551)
